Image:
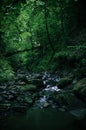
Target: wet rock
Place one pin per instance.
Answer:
(49, 81)
(67, 99)
(13, 92)
(11, 83)
(18, 108)
(21, 83)
(80, 89)
(5, 106)
(4, 92)
(28, 87)
(64, 82)
(35, 79)
(23, 79)
(10, 97)
(37, 76)
(37, 82)
(3, 87)
(1, 99)
(46, 105)
(28, 100)
(80, 113)
(5, 96)
(20, 99)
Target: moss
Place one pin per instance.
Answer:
(64, 82)
(67, 99)
(28, 87)
(37, 82)
(80, 89)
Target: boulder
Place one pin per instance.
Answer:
(64, 82)
(46, 105)
(67, 99)
(1, 99)
(29, 100)
(5, 106)
(19, 108)
(28, 87)
(10, 97)
(79, 89)
(37, 82)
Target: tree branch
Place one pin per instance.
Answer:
(9, 54)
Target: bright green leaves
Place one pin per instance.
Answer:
(6, 72)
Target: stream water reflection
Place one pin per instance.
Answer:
(40, 119)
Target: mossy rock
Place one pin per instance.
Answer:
(37, 82)
(68, 100)
(64, 82)
(80, 89)
(28, 87)
(46, 104)
(29, 100)
(4, 106)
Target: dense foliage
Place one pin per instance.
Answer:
(41, 35)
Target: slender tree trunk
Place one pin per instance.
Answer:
(47, 29)
(62, 17)
(62, 21)
(31, 40)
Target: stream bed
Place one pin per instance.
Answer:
(34, 103)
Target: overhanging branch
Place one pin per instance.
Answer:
(9, 54)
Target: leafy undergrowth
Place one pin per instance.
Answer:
(70, 59)
(6, 71)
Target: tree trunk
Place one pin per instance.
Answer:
(47, 29)
(62, 20)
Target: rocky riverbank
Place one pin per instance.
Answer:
(42, 90)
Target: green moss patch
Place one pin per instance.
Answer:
(64, 82)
